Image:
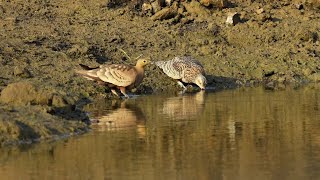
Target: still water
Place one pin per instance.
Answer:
(247, 133)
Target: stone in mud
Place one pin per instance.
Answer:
(233, 18)
(168, 2)
(166, 13)
(216, 3)
(147, 8)
(155, 6)
(21, 72)
(23, 93)
(260, 11)
(196, 9)
(299, 6)
(206, 2)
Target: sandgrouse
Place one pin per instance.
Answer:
(186, 70)
(116, 76)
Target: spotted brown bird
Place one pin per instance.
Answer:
(186, 70)
(117, 76)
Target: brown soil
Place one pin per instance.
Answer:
(42, 42)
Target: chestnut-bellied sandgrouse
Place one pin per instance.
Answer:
(117, 76)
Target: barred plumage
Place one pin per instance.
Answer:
(119, 76)
(185, 69)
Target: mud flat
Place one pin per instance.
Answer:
(273, 43)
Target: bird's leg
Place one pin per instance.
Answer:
(123, 91)
(114, 92)
(182, 85)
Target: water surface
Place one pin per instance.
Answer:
(248, 133)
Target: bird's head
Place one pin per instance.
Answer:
(201, 81)
(142, 62)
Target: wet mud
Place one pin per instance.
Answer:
(42, 43)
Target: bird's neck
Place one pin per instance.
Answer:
(140, 76)
(139, 69)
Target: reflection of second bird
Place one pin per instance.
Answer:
(184, 106)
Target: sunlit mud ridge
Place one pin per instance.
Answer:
(42, 43)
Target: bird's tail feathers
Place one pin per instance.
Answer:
(160, 64)
(87, 75)
(85, 67)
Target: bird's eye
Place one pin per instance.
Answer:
(144, 61)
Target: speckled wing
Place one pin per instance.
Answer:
(171, 68)
(189, 60)
(117, 74)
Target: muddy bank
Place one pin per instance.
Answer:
(42, 42)
(31, 114)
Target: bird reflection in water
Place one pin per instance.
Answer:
(121, 116)
(185, 106)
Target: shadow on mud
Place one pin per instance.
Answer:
(221, 82)
(72, 112)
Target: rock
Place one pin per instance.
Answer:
(21, 72)
(260, 11)
(206, 2)
(166, 13)
(299, 6)
(233, 18)
(168, 2)
(147, 8)
(216, 3)
(270, 85)
(23, 93)
(195, 8)
(163, 14)
(155, 6)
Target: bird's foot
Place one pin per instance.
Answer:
(126, 96)
(123, 91)
(115, 92)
